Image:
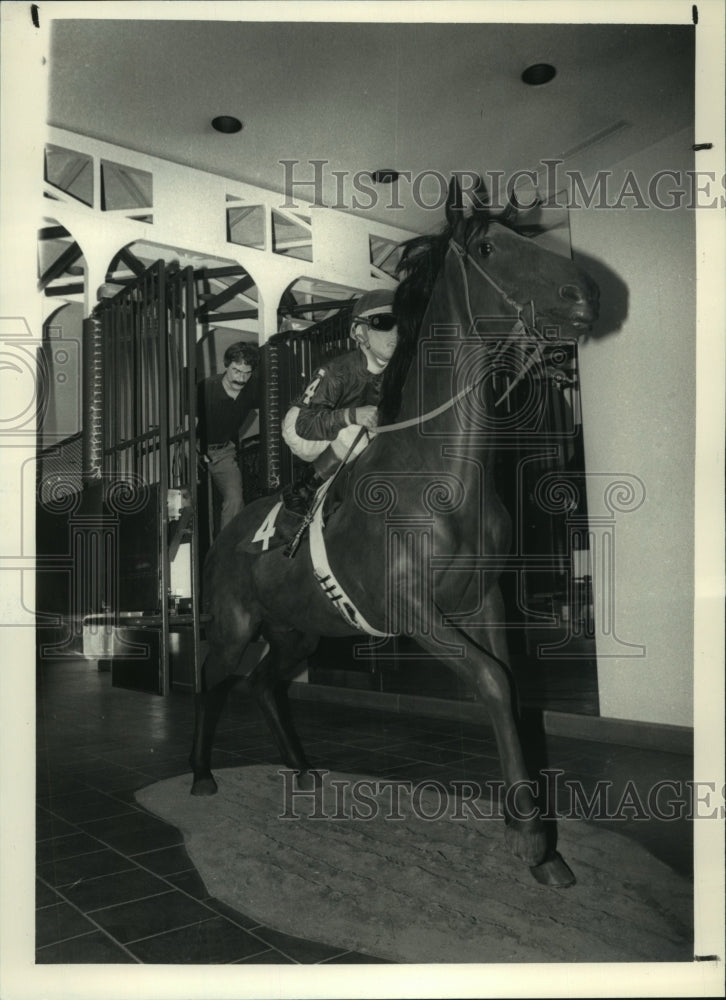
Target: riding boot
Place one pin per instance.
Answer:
(326, 463)
(299, 496)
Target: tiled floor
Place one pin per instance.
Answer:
(115, 884)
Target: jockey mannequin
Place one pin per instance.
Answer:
(324, 421)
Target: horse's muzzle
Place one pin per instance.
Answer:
(584, 302)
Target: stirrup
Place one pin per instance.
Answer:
(292, 546)
(294, 543)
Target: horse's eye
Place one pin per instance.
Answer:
(486, 249)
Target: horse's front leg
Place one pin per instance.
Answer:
(525, 832)
(485, 660)
(269, 683)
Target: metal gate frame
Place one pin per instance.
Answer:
(140, 435)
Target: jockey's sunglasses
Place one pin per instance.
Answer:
(379, 321)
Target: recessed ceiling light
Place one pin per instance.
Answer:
(539, 73)
(227, 124)
(385, 176)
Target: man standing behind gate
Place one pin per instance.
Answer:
(223, 404)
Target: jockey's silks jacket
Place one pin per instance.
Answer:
(336, 386)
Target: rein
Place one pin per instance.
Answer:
(521, 326)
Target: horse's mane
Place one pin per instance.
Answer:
(419, 266)
(417, 270)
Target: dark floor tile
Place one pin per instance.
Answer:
(247, 725)
(167, 861)
(68, 871)
(362, 740)
(191, 883)
(344, 762)
(109, 890)
(92, 949)
(169, 767)
(127, 793)
(379, 762)
(48, 826)
(356, 958)
(44, 895)
(133, 820)
(240, 758)
(236, 742)
(146, 917)
(214, 941)
(59, 922)
(135, 833)
(475, 769)
(69, 765)
(484, 747)
(247, 758)
(69, 846)
(300, 950)
(140, 760)
(415, 773)
(430, 754)
(86, 805)
(270, 957)
(52, 785)
(231, 914)
(106, 776)
(320, 748)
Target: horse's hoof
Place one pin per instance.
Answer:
(526, 842)
(307, 781)
(204, 786)
(553, 871)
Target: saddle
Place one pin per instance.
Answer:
(280, 526)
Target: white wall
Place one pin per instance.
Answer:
(639, 399)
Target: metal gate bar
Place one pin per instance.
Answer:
(289, 360)
(149, 426)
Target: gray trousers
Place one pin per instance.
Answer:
(227, 478)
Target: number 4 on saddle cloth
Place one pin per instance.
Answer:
(278, 526)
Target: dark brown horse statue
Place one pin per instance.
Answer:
(419, 537)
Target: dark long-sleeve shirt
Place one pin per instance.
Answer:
(221, 417)
(337, 385)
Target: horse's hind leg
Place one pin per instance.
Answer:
(218, 679)
(208, 707)
(270, 681)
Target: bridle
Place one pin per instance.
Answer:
(462, 254)
(521, 328)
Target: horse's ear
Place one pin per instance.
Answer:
(480, 201)
(476, 204)
(510, 211)
(516, 207)
(454, 202)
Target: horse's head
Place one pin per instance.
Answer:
(542, 286)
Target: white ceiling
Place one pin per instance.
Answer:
(418, 97)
